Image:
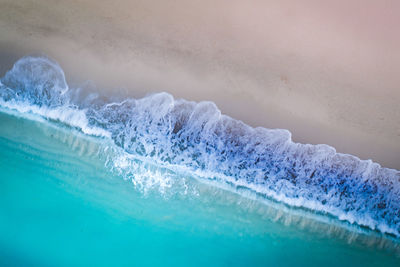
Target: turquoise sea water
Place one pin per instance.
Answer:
(59, 206)
(109, 180)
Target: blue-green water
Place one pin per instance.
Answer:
(59, 206)
(94, 179)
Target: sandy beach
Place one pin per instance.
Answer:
(328, 73)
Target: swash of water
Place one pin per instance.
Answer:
(174, 182)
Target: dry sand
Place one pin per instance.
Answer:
(328, 72)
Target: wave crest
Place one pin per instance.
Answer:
(197, 137)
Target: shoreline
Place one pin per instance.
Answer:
(283, 88)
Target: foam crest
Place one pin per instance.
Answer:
(196, 138)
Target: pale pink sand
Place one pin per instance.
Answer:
(328, 72)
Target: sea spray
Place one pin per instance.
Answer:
(195, 137)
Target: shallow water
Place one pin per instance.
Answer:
(60, 206)
(157, 141)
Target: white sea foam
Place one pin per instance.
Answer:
(158, 134)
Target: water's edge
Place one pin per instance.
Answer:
(196, 138)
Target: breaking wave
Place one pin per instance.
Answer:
(196, 138)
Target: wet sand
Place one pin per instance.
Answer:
(328, 73)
